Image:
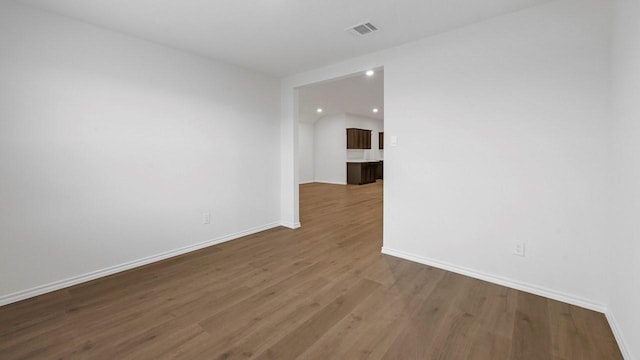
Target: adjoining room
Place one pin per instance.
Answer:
(341, 122)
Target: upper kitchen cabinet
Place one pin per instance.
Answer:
(381, 140)
(358, 139)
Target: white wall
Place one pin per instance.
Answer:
(376, 126)
(503, 136)
(111, 148)
(625, 237)
(509, 121)
(289, 161)
(306, 152)
(330, 149)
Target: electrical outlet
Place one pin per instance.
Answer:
(206, 218)
(518, 249)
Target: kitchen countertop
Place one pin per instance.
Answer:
(363, 161)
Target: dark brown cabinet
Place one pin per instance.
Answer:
(381, 140)
(359, 173)
(380, 171)
(358, 139)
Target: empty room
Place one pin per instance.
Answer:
(204, 179)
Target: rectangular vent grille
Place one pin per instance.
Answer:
(363, 29)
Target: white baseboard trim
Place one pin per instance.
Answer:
(291, 225)
(622, 344)
(331, 182)
(61, 284)
(306, 182)
(518, 285)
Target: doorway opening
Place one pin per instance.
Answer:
(340, 147)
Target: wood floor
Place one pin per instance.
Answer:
(320, 292)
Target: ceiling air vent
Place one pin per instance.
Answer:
(363, 29)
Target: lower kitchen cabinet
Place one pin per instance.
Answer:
(359, 173)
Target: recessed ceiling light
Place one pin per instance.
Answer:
(319, 110)
(370, 72)
(375, 110)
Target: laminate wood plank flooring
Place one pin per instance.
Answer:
(323, 291)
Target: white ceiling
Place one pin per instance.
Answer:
(280, 37)
(357, 95)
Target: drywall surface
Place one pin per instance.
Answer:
(112, 148)
(503, 136)
(306, 144)
(376, 126)
(625, 238)
(331, 149)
